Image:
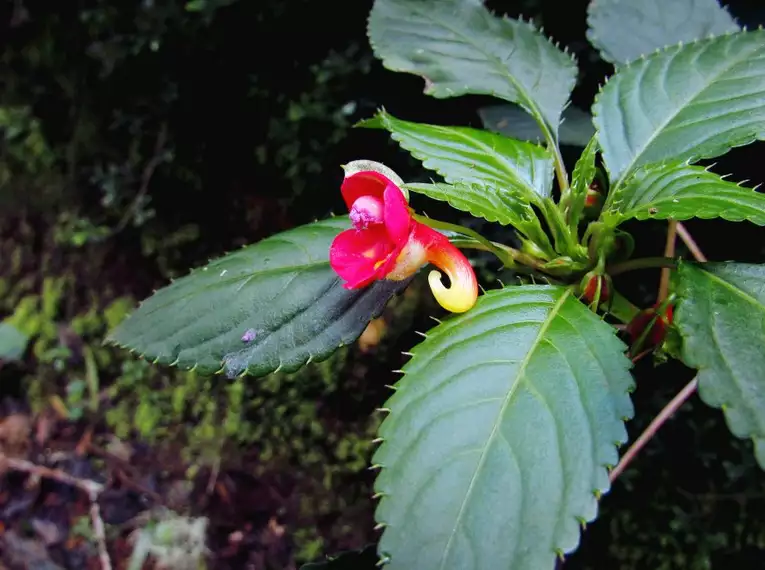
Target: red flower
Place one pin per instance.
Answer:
(386, 243)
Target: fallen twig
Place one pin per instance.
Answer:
(91, 488)
(99, 532)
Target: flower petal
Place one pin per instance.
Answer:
(358, 256)
(396, 215)
(365, 183)
(462, 292)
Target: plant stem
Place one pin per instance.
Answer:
(690, 243)
(440, 225)
(620, 307)
(641, 263)
(552, 146)
(565, 240)
(669, 251)
(520, 257)
(654, 427)
(506, 254)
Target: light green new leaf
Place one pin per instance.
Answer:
(499, 435)
(13, 342)
(270, 306)
(509, 207)
(576, 128)
(721, 318)
(680, 192)
(623, 30)
(460, 48)
(581, 179)
(462, 154)
(687, 102)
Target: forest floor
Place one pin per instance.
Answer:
(72, 497)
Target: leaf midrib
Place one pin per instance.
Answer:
(511, 393)
(740, 292)
(514, 177)
(725, 69)
(527, 99)
(229, 281)
(499, 211)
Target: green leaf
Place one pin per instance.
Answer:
(681, 192)
(357, 560)
(500, 433)
(270, 306)
(623, 30)
(508, 206)
(576, 128)
(581, 178)
(493, 204)
(460, 48)
(462, 154)
(13, 342)
(721, 318)
(684, 103)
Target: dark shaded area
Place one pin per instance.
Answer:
(142, 138)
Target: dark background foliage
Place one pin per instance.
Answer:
(138, 139)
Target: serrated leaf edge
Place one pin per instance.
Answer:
(617, 217)
(385, 558)
(647, 57)
(519, 21)
(428, 162)
(453, 202)
(594, 40)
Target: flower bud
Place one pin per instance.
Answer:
(595, 288)
(593, 201)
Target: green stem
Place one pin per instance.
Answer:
(620, 307)
(641, 263)
(439, 225)
(520, 257)
(506, 254)
(560, 167)
(565, 241)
